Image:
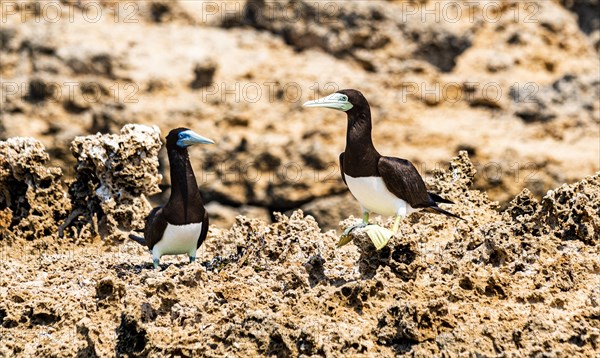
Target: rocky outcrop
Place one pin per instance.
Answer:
(517, 282)
(32, 201)
(569, 97)
(115, 174)
(587, 13)
(368, 32)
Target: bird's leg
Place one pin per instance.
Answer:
(346, 238)
(364, 223)
(396, 223)
(156, 255)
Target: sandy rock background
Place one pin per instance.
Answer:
(513, 84)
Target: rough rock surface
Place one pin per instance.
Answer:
(115, 174)
(513, 83)
(576, 98)
(572, 212)
(225, 216)
(587, 11)
(498, 283)
(32, 201)
(374, 34)
(501, 79)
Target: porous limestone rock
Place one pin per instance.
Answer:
(32, 201)
(115, 174)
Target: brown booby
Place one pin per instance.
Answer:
(180, 226)
(383, 185)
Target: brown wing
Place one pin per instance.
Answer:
(204, 231)
(403, 180)
(342, 167)
(156, 224)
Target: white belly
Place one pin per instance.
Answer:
(178, 239)
(374, 196)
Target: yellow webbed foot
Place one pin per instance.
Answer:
(380, 236)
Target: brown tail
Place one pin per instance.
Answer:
(438, 210)
(140, 240)
(439, 199)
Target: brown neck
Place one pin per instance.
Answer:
(360, 156)
(185, 204)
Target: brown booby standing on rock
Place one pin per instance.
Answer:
(180, 226)
(383, 185)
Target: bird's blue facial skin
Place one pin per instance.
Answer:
(189, 138)
(181, 142)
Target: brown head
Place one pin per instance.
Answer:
(181, 138)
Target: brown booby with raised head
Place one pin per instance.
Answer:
(181, 225)
(383, 185)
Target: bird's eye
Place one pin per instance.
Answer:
(180, 135)
(343, 99)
